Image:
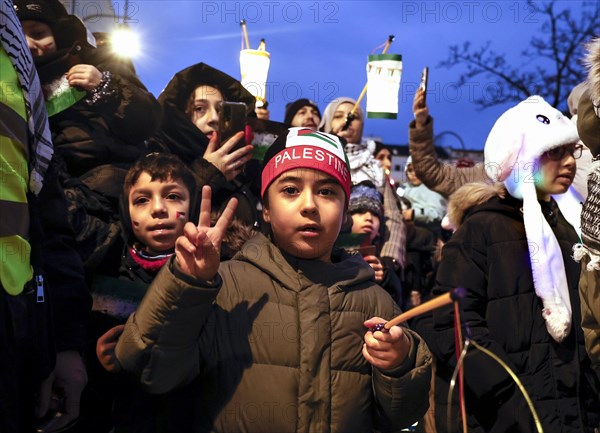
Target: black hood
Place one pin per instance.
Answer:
(178, 133)
(71, 45)
(54, 65)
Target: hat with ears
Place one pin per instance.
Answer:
(306, 148)
(293, 107)
(512, 152)
(365, 197)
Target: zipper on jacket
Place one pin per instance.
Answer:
(39, 280)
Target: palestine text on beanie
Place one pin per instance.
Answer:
(306, 148)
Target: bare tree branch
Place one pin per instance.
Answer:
(551, 63)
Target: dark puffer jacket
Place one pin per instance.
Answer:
(488, 255)
(278, 351)
(96, 140)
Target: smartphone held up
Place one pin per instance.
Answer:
(424, 79)
(232, 119)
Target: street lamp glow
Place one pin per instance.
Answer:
(125, 43)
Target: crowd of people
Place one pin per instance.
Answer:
(155, 278)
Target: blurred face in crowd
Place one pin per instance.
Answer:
(158, 211)
(415, 298)
(204, 109)
(305, 209)
(411, 176)
(366, 222)
(307, 117)
(385, 158)
(557, 170)
(39, 37)
(352, 134)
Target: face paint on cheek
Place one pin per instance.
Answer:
(181, 215)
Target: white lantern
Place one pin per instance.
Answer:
(254, 65)
(383, 77)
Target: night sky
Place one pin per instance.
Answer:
(319, 50)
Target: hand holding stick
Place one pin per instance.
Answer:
(426, 307)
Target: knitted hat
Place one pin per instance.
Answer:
(47, 11)
(306, 148)
(512, 151)
(293, 107)
(365, 198)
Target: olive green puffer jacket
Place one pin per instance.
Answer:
(280, 349)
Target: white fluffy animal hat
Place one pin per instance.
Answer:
(512, 151)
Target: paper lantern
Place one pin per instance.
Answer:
(383, 76)
(254, 65)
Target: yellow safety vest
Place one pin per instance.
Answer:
(15, 250)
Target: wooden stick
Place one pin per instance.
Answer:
(245, 33)
(461, 371)
(364, 90)
(428, 306)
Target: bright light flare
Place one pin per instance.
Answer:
(125, 43)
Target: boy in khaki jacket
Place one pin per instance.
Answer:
(278, 338)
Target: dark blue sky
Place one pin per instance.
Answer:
(319, 50)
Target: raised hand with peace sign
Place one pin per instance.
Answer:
(198, 249)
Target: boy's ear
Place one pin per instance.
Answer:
(266, 215)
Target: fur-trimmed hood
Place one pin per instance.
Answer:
(588, 113)
(592, 61)
(471, 195)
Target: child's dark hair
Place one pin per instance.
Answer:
(162, 167)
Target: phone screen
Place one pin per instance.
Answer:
(424, 78)
(232, 119)
(367, 250)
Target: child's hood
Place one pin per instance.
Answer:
(470, 195)
(182, 136)
(592, 60)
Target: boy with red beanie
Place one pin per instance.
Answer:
(274, 336)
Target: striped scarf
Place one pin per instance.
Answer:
(40, 141)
